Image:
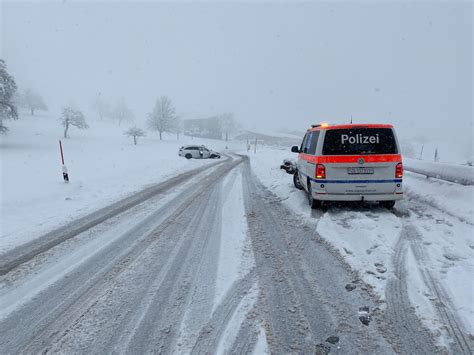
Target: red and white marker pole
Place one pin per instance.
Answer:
(65, 174)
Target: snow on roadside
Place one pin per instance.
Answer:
(449, 247)
(457, 200)
(462, 174)
(103, 164)
(366, 238)
(235, 256)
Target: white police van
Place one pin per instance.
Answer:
(354, 162)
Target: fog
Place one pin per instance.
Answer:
(275, 65)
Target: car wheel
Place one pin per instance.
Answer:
(188, 156)
(312, 202)
(388, 204)
(296, 181)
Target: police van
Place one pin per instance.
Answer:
(350, 162)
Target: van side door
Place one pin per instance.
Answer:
(300, 162)
(310, 151)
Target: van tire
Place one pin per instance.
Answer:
(297, 182)
(388, 204)
(188, 156)
(312, 202)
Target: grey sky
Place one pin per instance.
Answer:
(272, 64)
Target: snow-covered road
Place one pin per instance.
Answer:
(215, 262)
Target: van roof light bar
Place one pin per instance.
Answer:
(320, 125)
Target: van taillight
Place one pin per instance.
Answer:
(399, 171)
(320, 171)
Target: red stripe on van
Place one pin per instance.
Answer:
(349, 126)
(383, 158)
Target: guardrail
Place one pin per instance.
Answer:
(459, 174)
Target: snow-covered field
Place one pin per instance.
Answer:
(103, 165)
(438, 218)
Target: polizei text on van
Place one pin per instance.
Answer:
(359, 139)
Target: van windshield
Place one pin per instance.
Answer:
(357, 141)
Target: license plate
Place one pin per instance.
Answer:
(359, 170)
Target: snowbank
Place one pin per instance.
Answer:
(461, 174)
(453, 199)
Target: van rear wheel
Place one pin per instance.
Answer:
(188, 156)
(388, 204)
(313, 203)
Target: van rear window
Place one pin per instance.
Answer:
(357, 141)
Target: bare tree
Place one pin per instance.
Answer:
(8, 88)
(122, 112)
(101, 106)
(178, 127)
(72, 117)
(227, 124)
(135, 132)
(163, 116)
(32, 101)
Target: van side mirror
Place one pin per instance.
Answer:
(295, 149)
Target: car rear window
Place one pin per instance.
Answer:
(356, 141)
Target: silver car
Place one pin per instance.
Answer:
(198, 152)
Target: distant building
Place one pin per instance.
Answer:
(203, 127)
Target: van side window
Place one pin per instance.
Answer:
(313, 143)
(307, 143)
(303, 143)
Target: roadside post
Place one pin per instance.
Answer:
(65, 174)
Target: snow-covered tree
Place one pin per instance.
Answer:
(122, 113)
(227, 124)
(178, 127)
(72, 117)
(8, 88)
(101, 106)
(163, 116)
(33, 101)
(135, 132)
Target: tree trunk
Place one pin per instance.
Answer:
(135, 140)
(160, 135)
(32, 111)
(65, 130)
(226, 136)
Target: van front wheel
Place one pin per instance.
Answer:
(297, 182)
(313, 203)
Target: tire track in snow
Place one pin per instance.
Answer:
(409, 334)
(443, 306)
(461, 343)
(212, 331)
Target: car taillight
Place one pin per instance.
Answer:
(399, 171)
(320, 171)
